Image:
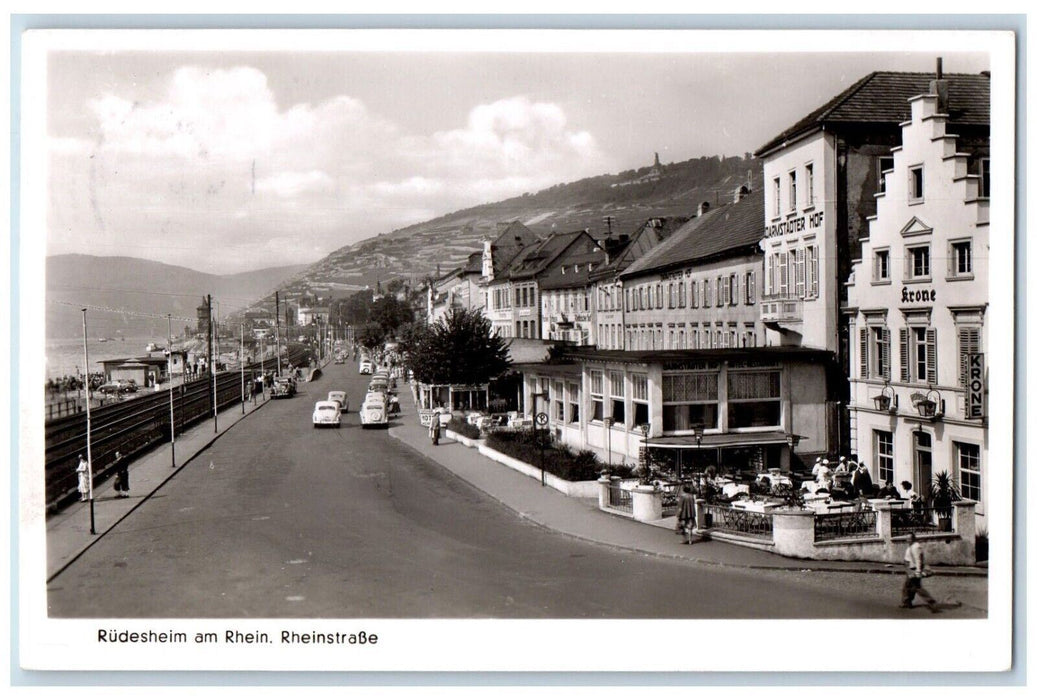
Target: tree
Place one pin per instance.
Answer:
(371, 335)
(461, 348)
(390, 314)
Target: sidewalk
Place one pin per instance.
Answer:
(581, 518)
(68, 532)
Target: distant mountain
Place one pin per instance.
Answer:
(142, 286)
(443, 243)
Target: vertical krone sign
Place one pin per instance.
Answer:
(974, 407)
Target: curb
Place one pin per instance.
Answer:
(149, 494)
(890, 570)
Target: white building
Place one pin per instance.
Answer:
(917, 303)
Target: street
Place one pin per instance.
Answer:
(278, 519)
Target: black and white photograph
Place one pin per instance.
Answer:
(515, 350)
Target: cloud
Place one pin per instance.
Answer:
(214, 156)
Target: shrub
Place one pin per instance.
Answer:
(558, 459)
(462, 427)
(982, 545)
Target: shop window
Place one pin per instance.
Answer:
(558, 402)
(690, 400)
(966, 456)
(753, 398)
(574, 402)
(639, 398)
(884, 455)
(597, 396)
(618, 397)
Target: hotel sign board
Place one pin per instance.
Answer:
(976, 390)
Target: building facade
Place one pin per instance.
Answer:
(917, 304)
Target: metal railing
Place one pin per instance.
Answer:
(620, 498)
(904, 521)
(742, 522)
(838, 526)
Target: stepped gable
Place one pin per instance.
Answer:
(721, 230)
(882, 97)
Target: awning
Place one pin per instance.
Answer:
(713, 441)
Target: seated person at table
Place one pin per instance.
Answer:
(909, 494)
(861, 480)
(842, 489)
(888, 490)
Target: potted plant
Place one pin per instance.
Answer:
(943, 492)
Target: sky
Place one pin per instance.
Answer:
(228, 161)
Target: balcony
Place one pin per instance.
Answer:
(775, 311)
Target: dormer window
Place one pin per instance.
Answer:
(563, 269)
(576, 267)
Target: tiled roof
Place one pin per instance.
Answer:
(726, 228)
(562, 273)
(882, 98)
(534, 258)
(646, 238)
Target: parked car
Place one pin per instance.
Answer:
(340, 359)
(379, 385)
(325, 413)
(118, 387)
(375, 411)
(342, 398)
(366, 367)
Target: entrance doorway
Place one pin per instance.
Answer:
(923, 449)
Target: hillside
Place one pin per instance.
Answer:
(144, 286)
(445, 242)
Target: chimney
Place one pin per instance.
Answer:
(703, 208)
(938, 87)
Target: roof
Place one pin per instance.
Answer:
(725, 229)
(882, 97)
(649, 235)
(572, 268)
(712, 441)
(528, 350)
(769, 352)
(139, 361)
(535, 258)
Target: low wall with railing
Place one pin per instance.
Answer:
(879, 534)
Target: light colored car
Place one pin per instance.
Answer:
(375, 410)
(325, 414)
(366, 367)
(342, 398)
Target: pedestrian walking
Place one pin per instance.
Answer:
(122, 476)
(83, 472)
(914, 560)
(685, 513)
(435, 427)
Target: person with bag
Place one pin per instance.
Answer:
(685, 513)
(122, 476)
(434, 427)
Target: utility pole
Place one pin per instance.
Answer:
(241, 363)
(169, 371)
(212, 370)
(277, 328)
(89, 455)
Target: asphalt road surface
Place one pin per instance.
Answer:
(278, 519)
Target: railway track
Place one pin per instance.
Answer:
(133, 427)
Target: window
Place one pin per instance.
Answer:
(915, 189)
(918, 262)
(783, 274)
(618, 397)
(558, 402)
(776, 210)
(961, 259)
(750, 287)
(918, 355)
(801, 273)
(813, 274)
(671, 295)
(967, 457)
(597, 401)
(874, 353)
(574, 402)
(810, 184)
(639, 397)
(733, 293)
(884, 164)
(881, 270)
(984, 178)
(884, 455)
(753, 398)
(792, 191)
(968, 344)
(721, 292)
(706, 293)
(690, 401)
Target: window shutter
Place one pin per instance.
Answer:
(885, 353)
(905, 355)
(968, 343)
(864, 353)
(930, 356)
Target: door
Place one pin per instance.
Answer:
(923, 444)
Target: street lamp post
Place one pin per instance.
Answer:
(241, 363)
(169, 371)
(608, 421)
(645, 469)
(539, 438)
(89, 454)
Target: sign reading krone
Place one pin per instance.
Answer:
(976, 390)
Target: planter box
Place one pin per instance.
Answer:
(466, 441)
(577, 489)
